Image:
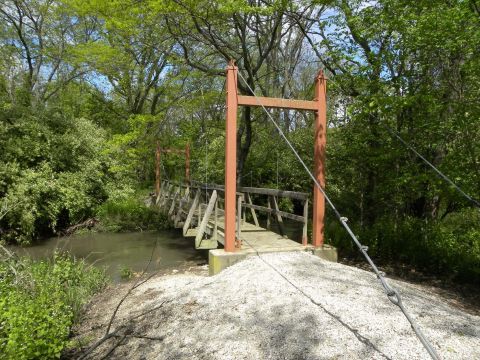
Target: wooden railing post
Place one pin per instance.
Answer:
(305, 223)
(160, 194)
(238, 242)
(252, 210)
(165, 195)
(191, 212)
(278, 216)
(184, 200)
(269, 206)
(199, 213)
(172, 206)
(215, 226)
(204, 221)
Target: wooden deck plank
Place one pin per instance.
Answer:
(260, 239)
(254, 238)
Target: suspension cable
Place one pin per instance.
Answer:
(433, 167)
(392, 294)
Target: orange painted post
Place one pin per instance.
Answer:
(319, 154)
(157, 169)
(187, 163)
(231, 157)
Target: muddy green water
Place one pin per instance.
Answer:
(116, 252)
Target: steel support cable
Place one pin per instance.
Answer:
(433, 167)
(392, 294)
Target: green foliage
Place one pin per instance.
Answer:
(126, 273)
(130, 214)
(53, 173)
(448, 247)
(39, 301)
(455, 245)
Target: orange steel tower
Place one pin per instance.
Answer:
(318, 105)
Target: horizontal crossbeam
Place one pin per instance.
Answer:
(253, 190)
(277, 103)
(275, 212)
(174, 151)
(274, 192)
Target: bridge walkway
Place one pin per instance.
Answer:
(198, 210)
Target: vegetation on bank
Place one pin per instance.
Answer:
(40, 301)
(449, 248)
(130, 214)
(54, 171)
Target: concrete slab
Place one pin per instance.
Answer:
(219, 260)
(327, 252)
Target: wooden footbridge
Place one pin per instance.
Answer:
(216, 214)
(199, 210)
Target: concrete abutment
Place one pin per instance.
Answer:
(219, 259)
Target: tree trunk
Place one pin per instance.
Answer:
(243, 147)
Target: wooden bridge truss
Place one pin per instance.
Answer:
(199, 209)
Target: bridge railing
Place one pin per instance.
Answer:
(178, 197)
(272, 209)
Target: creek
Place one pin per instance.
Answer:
(123, 253)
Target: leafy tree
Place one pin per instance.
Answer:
(259, 36)
(37, 36)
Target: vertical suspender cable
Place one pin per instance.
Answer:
(206, 167)
(206, 154)
(277, 169)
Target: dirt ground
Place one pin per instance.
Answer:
(277, 306)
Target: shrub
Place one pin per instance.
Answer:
(130, 214)
(39, 301)
(455, 245)
(53, 173)
(450, 247)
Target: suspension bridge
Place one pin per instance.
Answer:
(199, 210)
(216, 214)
